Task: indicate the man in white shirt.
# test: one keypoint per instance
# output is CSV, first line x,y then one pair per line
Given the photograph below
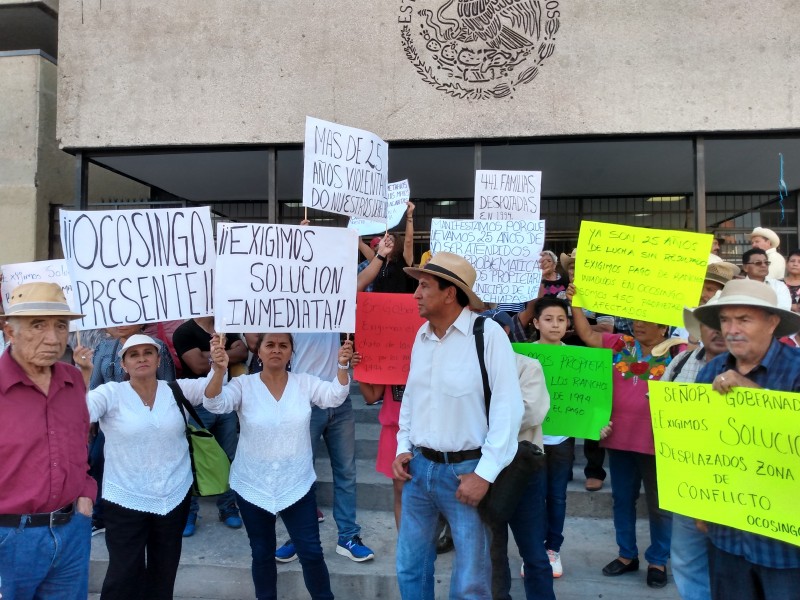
x,y
756,264
767,240
447,453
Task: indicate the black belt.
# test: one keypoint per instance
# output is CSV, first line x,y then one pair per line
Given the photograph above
x,y
450,457
62,516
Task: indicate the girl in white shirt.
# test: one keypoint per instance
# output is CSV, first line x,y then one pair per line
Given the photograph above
x,y
273,469
147,472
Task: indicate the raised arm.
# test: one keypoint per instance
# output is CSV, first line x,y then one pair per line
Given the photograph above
x,y
364,248
408,243
369,274
84,360
593,339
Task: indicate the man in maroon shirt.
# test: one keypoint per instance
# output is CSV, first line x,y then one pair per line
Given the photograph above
x,y
46,494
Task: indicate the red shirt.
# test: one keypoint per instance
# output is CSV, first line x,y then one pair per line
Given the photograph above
x,y
43,440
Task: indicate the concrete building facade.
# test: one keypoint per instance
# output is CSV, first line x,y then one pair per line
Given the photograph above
x,y
621,105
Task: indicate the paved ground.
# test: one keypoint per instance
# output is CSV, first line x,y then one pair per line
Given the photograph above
x,y
216,564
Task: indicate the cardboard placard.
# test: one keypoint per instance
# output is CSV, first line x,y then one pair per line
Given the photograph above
x,y
732,459
399,194
139,266
505,255
640,273
507,195
50,271
345,170
579,381
285,278
386,325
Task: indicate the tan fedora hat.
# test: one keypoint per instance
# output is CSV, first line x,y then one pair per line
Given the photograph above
x,y
748,292
690,321
453,268
768,234
568,260
39,300
721,272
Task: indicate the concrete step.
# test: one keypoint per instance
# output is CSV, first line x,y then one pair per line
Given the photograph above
x,y
215,564
374,491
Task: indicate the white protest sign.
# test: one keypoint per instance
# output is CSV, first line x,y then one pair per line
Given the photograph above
x,y
507,195
505,255
139,266
345,170
41,271
399,194
285,278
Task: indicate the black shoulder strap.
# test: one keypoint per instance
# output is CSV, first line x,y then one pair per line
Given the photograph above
x,y
681,363
182,401
477,331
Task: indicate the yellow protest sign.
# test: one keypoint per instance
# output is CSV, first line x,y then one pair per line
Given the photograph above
x,y
640,273
732,459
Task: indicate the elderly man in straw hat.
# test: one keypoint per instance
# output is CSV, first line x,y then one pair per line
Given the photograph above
x,y
767,240
46,494
745,565
444,431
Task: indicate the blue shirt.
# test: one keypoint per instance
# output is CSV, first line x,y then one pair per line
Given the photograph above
x,y
779,370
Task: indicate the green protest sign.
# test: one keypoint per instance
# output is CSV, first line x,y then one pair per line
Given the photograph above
x,y
579,382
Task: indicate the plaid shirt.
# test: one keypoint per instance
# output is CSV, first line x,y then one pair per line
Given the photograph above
x,y
779,370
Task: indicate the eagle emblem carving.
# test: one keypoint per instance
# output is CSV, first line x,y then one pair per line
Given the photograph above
x,y
478,49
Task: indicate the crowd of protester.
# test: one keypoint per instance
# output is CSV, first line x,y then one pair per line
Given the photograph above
x,y
271,399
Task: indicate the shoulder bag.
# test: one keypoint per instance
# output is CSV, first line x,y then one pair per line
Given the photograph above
x,y
500,502
210,464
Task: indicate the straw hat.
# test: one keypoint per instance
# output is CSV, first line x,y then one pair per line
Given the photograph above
x,y
721,272
773,238
568,260
747,292
138,340
453,268
40,300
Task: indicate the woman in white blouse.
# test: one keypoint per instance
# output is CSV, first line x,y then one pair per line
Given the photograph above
x,y
147,472
273,470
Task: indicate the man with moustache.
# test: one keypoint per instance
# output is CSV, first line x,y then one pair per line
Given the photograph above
x,y
746,565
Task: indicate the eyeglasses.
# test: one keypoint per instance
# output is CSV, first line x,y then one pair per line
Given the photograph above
x,y
760,263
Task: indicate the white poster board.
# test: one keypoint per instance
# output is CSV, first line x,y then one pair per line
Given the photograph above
x,y
345,170
41,271
139,266
507,195
505,255
399,195
285,278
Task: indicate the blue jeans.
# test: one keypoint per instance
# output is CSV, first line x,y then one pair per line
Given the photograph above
x,y
432,490
337,426
46,562
528,525
559,468
628,471
689,554
225,430
734,577
301,521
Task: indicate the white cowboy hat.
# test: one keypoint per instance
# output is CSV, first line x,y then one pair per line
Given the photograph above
x,y
40,300
453,268
747,292
768,234
138,340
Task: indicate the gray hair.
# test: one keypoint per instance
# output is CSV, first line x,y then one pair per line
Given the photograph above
x,y
14,323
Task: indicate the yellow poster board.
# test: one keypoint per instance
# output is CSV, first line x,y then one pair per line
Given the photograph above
x,y
732,459
640,273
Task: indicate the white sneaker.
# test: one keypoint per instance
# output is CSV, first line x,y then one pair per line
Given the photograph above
x,y
555,563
